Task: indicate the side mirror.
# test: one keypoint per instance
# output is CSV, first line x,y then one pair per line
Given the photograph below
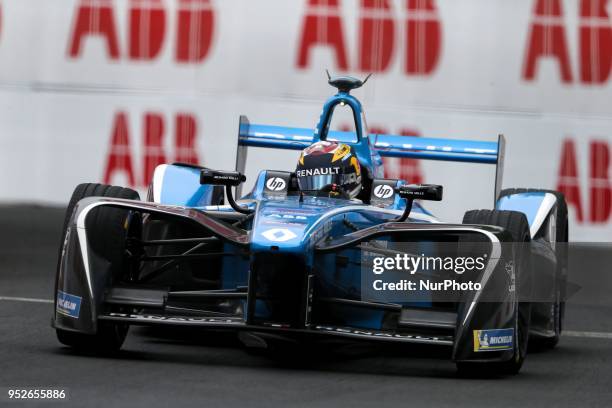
x,y
228,179
222,178
430,192
411,192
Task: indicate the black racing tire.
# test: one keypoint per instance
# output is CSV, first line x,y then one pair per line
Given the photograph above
x,y
516,224
107,222
562,236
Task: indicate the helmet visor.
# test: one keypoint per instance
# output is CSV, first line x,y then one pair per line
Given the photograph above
x,y
316,183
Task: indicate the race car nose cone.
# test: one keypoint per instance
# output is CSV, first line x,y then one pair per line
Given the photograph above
x,y
278,235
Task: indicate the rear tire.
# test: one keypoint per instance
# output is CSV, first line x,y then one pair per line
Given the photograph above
x,y
109,223
561,236
516,224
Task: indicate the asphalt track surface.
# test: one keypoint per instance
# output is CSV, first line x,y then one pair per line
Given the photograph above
x,y
158,368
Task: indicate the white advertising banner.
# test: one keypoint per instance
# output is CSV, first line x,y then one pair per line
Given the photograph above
x,y
104,90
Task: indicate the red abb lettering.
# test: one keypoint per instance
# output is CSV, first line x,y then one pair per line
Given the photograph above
x,y
600,182
195,30
119,156
147,28
376,130
153,145
95,17
423,37
377,35
595,41
547,39
322,26
185,137
119,159
568,182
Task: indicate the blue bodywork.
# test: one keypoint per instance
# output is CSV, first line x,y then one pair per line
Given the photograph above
x,y
181,186
294,225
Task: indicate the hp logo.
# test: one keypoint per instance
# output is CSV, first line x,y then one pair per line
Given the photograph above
x,y
275,184
383,191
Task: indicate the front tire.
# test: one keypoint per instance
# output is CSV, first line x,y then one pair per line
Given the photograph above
x,y
109,223
561,236
516,224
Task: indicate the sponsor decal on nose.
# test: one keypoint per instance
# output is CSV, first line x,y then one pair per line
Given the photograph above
x,y
279,234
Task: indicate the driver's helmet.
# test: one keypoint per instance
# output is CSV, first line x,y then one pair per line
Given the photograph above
x,y
329,168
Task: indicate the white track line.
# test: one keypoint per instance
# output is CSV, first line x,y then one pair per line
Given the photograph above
x,y
566,333
592,335
23,299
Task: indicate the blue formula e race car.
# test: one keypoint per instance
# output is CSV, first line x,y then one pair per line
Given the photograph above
x,y
302,255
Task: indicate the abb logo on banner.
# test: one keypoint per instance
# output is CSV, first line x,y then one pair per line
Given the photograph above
x,y
600,193
547,39
323,27
146,29
119,158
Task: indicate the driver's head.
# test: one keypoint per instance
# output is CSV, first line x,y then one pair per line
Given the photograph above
x,y
329,167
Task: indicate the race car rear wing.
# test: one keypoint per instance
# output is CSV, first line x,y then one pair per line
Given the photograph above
x,y
280,137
